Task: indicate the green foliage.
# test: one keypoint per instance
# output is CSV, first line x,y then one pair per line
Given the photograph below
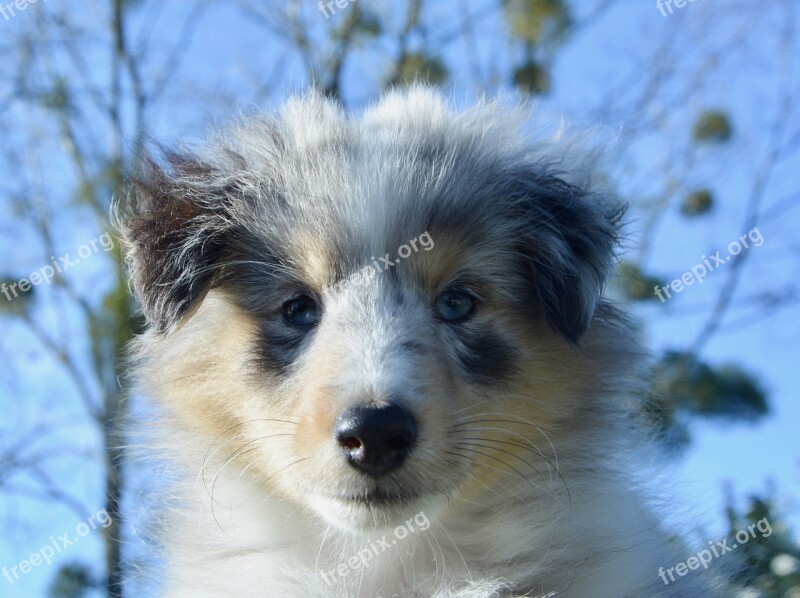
x,y
538,22
57,97
73,580
685,386
532,77
369,24
713,126
697,203
636,285
416,66
768,564
362,23
726,391
16,305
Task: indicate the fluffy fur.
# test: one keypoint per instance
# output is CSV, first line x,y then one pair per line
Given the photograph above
x,y
527,433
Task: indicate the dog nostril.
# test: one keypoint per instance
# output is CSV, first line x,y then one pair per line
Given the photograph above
x,y
350,442
376,439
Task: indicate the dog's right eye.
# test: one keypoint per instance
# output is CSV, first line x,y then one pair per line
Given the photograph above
x,y
302,311
455,305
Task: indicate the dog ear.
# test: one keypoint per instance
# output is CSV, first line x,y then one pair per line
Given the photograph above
x,y
569,239
173,227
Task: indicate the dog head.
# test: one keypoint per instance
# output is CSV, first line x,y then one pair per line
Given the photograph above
x,y
374,314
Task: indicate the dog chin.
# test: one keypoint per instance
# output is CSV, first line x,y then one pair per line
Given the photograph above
x,y
374,511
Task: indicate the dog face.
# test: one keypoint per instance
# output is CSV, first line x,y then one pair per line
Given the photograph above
x,y
372,315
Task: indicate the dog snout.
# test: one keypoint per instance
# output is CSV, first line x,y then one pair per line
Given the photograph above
x,y
376,438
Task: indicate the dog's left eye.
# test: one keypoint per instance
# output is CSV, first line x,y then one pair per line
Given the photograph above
x,y
454,305
302,311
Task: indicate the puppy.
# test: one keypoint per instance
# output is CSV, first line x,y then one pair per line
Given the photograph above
x,y
382,362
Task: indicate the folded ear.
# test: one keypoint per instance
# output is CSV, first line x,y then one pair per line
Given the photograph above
x,y
569,238
173,227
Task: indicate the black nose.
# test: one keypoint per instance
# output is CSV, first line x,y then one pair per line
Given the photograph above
x,y
376,439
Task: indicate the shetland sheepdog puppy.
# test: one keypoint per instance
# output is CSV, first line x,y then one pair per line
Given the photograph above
x,y
382,362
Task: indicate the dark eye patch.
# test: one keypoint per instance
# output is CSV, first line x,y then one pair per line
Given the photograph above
x,y
485,357
278,346
259,282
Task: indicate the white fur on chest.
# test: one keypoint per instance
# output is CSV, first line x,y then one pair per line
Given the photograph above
x,y
601,543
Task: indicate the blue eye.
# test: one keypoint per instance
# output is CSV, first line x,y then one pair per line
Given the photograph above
x,y
454,306
302,311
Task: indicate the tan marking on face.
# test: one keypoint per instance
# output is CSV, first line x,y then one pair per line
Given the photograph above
x,y
319,406
313,261
442,262
201,371
554,380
